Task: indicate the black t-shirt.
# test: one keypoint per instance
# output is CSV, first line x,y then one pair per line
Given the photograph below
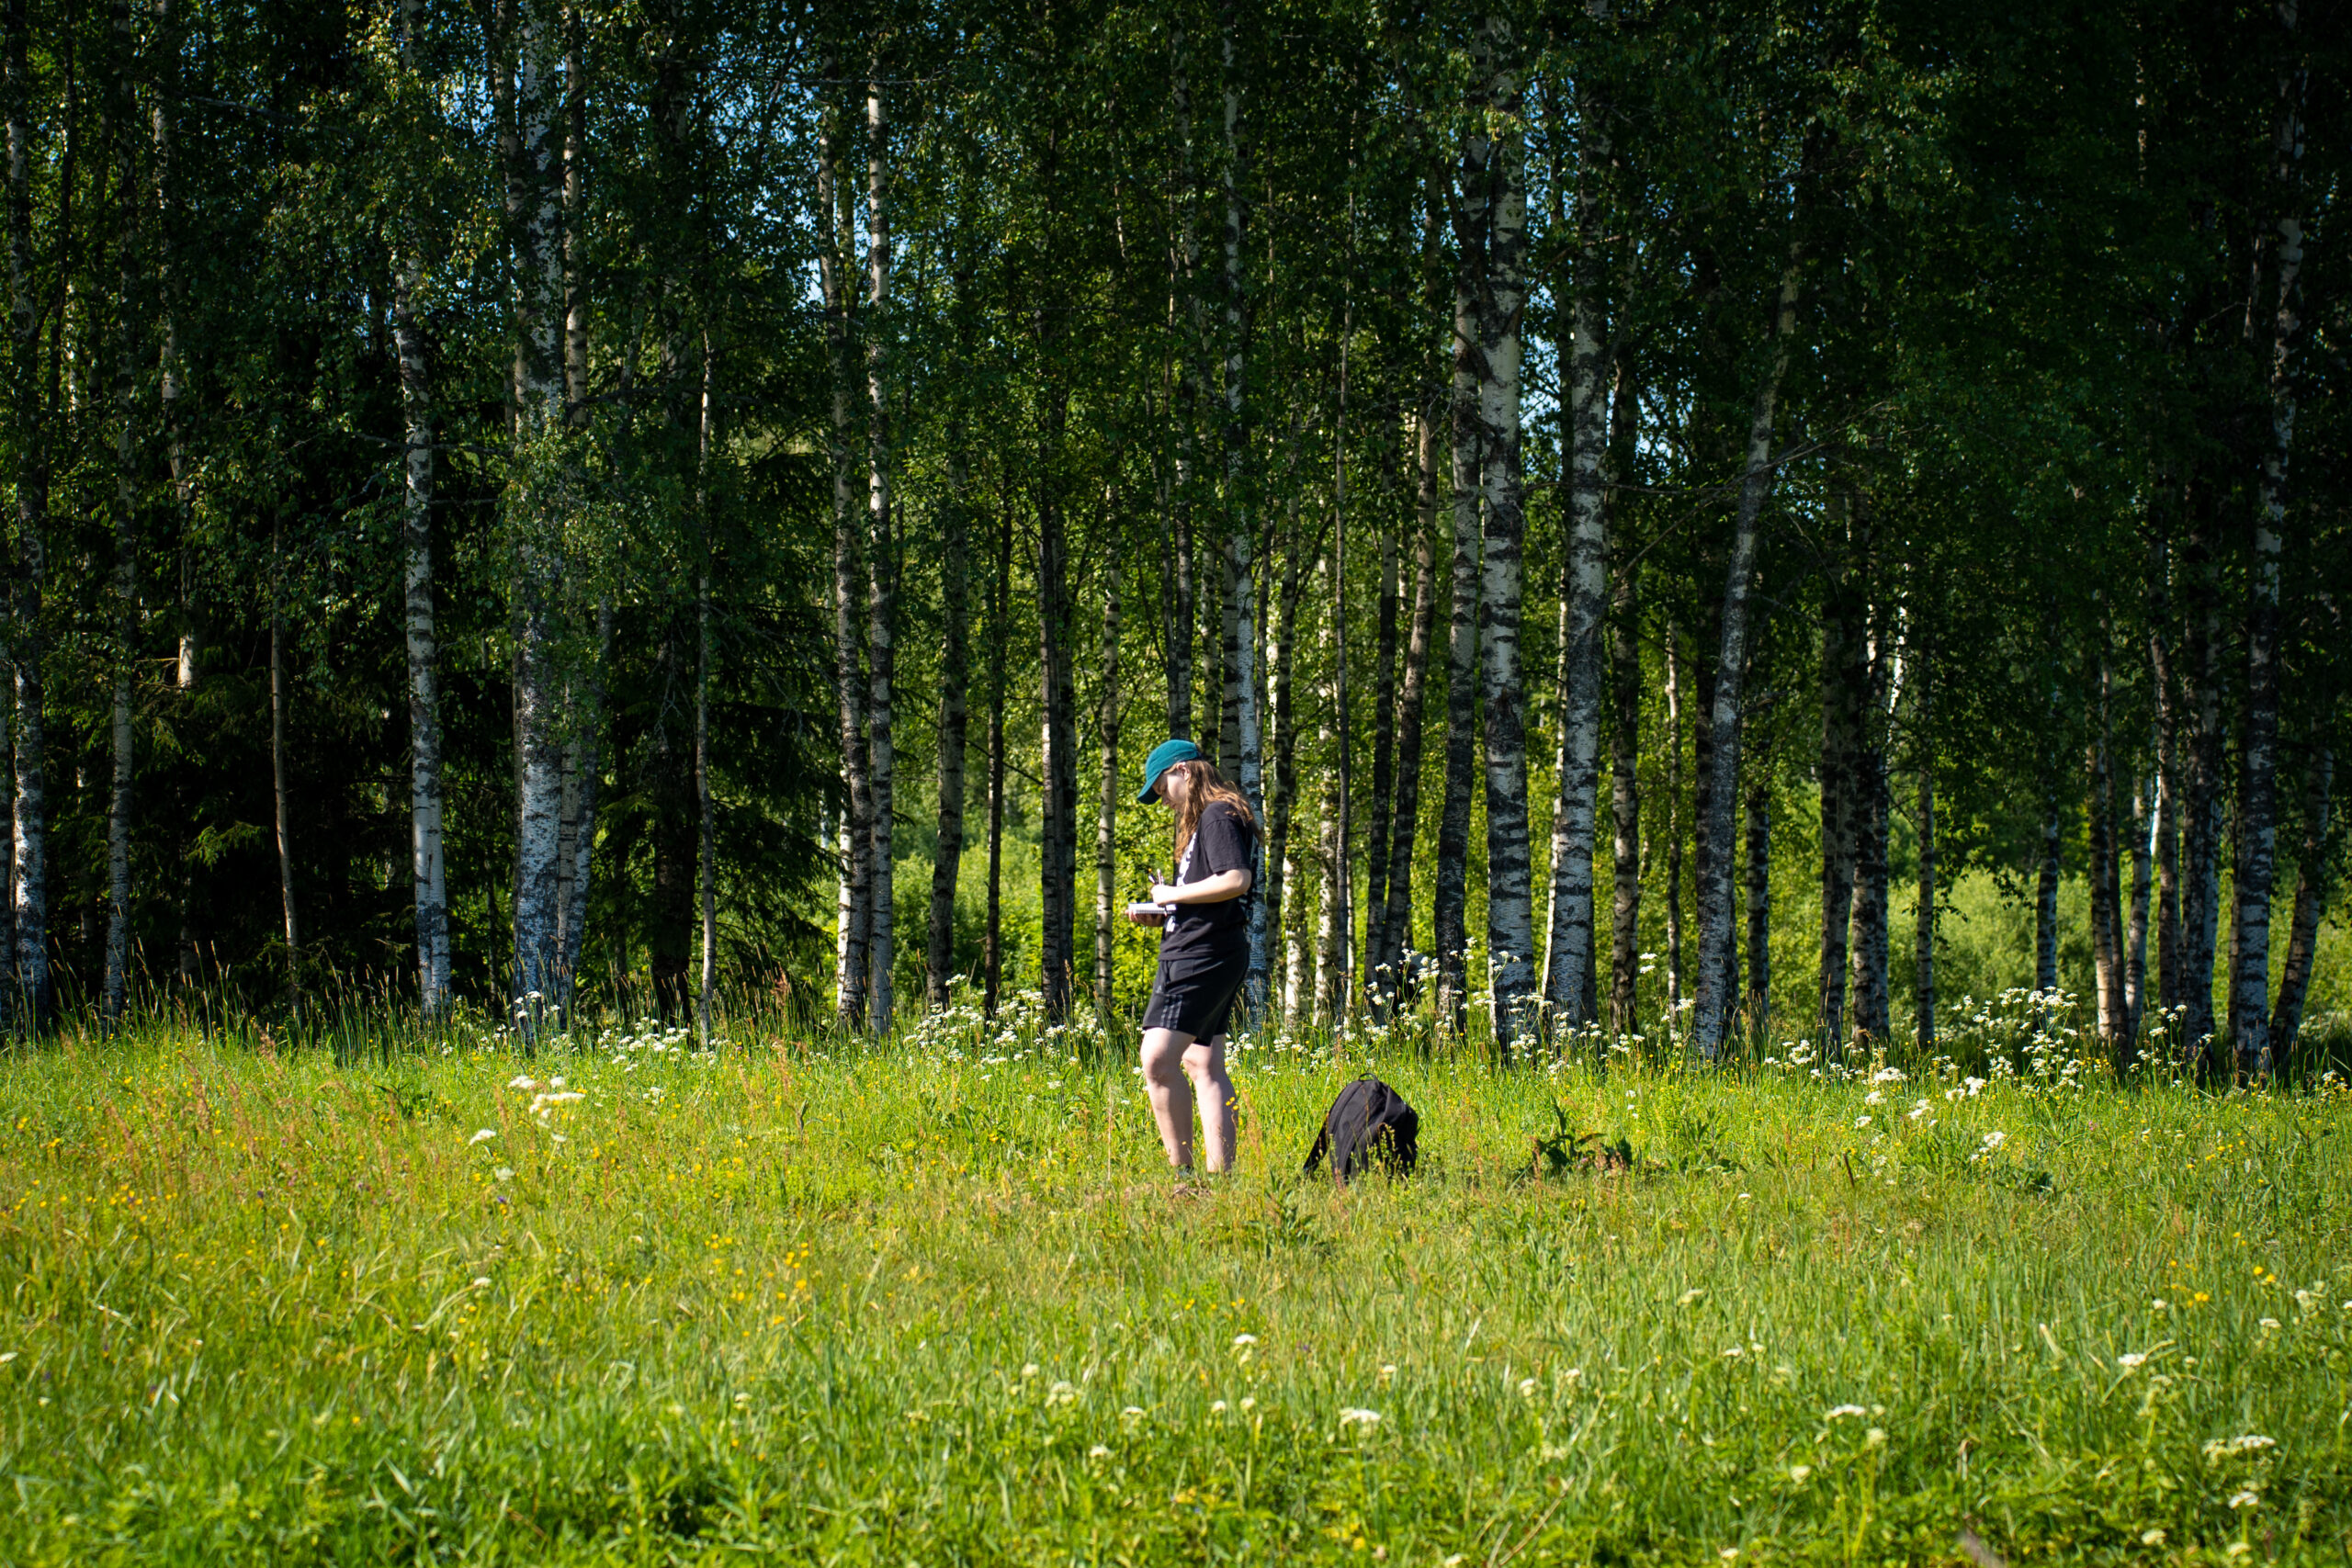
x,y
1198,935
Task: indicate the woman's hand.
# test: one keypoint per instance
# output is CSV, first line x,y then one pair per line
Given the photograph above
x,y
1143,917
1167,893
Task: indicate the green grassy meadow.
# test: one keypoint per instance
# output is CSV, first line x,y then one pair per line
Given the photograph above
x,y
628,1302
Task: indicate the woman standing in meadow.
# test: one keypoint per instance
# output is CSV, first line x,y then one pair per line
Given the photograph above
x,y
1204,950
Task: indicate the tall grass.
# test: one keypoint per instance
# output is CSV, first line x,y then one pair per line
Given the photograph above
x,y
411,1296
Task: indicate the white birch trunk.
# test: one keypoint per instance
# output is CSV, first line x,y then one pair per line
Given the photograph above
x,y
705,810
882,566
2135,959
2257,812
1106,820
1282,797
535,213
427,869
855,845
1510,927
1570,953
1674,988
1625,802
1239,716
1711,1016
1000,605
1329,985
33,1000
120,113
1450,899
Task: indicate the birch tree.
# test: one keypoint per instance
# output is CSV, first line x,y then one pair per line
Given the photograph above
x,y
1711,1016
122,132
2258,828
882,582
856,843
1570,957
531,129
428,873
30,413
1238,707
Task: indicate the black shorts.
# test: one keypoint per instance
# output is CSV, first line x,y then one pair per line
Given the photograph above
x,y
1198,1002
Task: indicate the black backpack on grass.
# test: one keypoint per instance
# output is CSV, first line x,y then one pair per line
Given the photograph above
x,y
1369,1122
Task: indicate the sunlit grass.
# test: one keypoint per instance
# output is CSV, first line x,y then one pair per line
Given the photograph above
x,y
941,1302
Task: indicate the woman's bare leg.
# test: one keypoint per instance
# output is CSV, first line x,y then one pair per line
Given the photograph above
x,y
1167,1057
1204,1062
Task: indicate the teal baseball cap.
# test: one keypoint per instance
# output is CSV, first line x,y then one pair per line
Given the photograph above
x,y
1164,756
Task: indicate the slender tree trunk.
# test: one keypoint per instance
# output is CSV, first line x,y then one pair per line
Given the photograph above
x,y
1703,687
834,202
1867,951
955,720
1107,822
2135,957
580,701
1923,940
1183,624
1571,957
1451,902
277,696
531,128
1844,674
2107,887
1674,827
1238,711
2046,903
1714,1010
428,874
2204,803
1510,928
1000,634
2258,812
1625,797
706,808
1383,748
882,597
1412,705
1282,797
171,361
2165,830
1328,990
1058,856
1335,983
33,1003
122,129
2313,885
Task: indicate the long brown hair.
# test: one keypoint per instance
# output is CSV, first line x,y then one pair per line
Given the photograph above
x,y
1204,785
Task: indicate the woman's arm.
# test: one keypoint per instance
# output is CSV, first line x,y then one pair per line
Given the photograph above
x,y
1217,889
